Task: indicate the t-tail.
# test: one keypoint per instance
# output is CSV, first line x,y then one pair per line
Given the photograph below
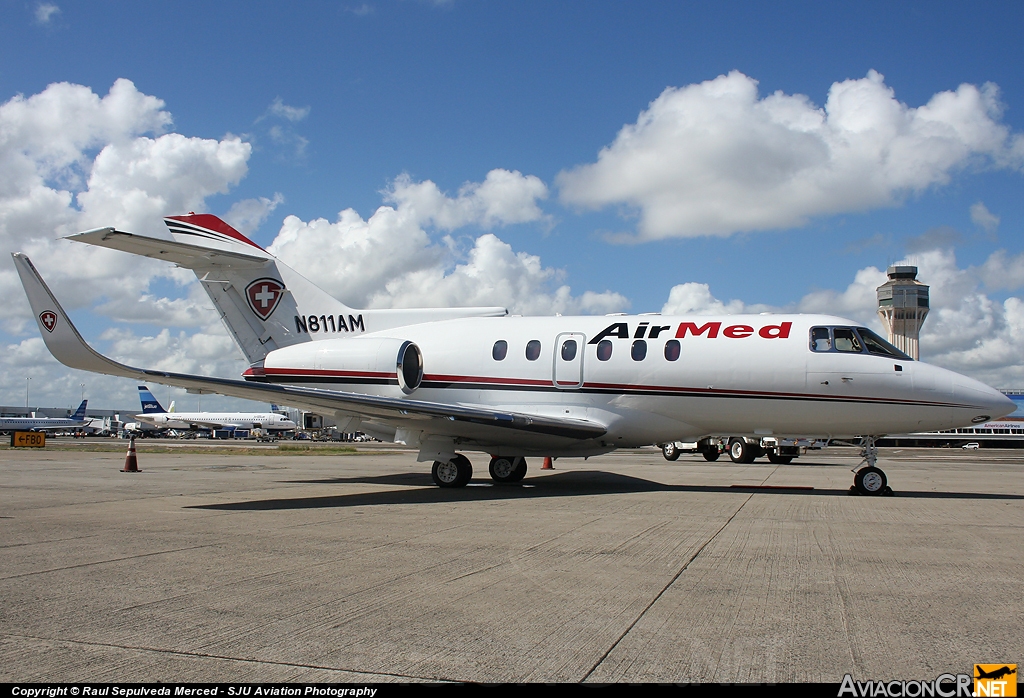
x,y
264,303
79,415
149,401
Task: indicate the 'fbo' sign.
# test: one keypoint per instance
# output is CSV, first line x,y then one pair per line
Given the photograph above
x,y
28,439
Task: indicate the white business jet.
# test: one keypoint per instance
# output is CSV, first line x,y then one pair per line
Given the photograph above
x,y
449,380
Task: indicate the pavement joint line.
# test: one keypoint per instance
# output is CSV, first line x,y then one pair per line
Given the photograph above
x,y
204,655
104,562
661,593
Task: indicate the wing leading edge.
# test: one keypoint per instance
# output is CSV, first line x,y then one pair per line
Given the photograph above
x,y
475,424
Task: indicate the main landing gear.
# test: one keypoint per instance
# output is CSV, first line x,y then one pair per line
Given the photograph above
x,y
869,480
458,471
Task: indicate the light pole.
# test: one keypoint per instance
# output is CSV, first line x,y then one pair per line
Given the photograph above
x,y
83,390
27,379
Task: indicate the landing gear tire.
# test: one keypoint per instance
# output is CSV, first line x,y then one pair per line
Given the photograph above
x,y
870,481
741,452
779,460
712,455
670,451
454,473
505,470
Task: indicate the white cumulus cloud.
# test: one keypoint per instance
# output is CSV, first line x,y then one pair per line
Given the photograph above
x,y
45,12
390,260
984,218
715,158
72,159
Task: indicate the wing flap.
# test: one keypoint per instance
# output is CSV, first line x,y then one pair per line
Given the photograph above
x,y
477,423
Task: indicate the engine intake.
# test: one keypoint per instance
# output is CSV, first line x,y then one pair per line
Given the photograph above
x,y
357,358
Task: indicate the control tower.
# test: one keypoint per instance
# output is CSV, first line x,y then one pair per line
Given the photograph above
x,y
903,306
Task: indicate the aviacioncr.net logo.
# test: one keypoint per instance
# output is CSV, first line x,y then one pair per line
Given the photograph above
x,y
944,686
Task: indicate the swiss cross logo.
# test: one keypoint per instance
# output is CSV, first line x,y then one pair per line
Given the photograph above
x,y
49,319
263,296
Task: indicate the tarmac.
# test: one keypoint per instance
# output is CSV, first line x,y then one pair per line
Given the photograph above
x,y
625,568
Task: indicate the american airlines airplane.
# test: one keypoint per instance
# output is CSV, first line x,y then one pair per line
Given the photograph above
x,y
77,419
449,380
155,415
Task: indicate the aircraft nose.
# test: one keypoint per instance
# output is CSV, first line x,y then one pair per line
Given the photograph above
x,y
990,403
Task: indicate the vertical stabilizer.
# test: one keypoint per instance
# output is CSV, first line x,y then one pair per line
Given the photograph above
x,y
79,415
149,402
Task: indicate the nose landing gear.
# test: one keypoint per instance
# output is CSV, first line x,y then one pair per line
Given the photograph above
x,y
869,480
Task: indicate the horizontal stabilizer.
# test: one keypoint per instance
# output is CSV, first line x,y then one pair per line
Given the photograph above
x,y
181,253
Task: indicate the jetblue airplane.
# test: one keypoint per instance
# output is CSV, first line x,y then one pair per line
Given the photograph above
x,y
155,415
449,380
45,423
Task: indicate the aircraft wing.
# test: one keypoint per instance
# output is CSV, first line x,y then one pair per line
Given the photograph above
x,y
180,253
476,423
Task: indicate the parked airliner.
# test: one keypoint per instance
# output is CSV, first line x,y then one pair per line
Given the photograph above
x,y
155,415
77,419
448,380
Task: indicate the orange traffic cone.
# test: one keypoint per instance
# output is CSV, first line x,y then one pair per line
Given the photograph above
x,y
131,462
547,464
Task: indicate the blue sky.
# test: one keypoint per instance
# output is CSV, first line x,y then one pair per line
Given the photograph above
x,y
367,92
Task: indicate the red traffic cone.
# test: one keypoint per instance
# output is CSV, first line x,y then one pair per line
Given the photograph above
x,y
547,464
131,462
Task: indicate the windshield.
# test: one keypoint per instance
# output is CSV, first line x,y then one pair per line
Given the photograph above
x,y
853,340
878,346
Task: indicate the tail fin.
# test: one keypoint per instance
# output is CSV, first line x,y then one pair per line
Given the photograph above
x,y
274,408
79,415
264,303
171,408
149,402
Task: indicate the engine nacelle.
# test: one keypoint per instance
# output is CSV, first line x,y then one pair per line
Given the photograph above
x,y
352,357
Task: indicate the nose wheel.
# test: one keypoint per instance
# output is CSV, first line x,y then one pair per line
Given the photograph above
x,y
870,480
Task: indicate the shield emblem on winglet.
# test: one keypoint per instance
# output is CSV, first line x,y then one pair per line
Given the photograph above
x,y
48,318
263,296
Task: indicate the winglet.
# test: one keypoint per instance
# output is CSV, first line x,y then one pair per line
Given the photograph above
x,y
59,335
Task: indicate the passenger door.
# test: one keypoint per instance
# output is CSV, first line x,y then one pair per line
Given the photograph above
x,y
567,372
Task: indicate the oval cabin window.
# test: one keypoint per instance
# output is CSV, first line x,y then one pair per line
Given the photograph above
x,y
533,350
639,350
672,350
569,350
604,350
500,350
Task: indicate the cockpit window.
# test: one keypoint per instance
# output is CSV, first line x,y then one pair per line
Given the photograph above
x,y
820,339
846,340
851,340
878,346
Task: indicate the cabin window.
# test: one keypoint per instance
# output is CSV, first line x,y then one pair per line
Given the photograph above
x,y
533,350
569,350
672,350
846,340
820,340
500,350
639,350
604,350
